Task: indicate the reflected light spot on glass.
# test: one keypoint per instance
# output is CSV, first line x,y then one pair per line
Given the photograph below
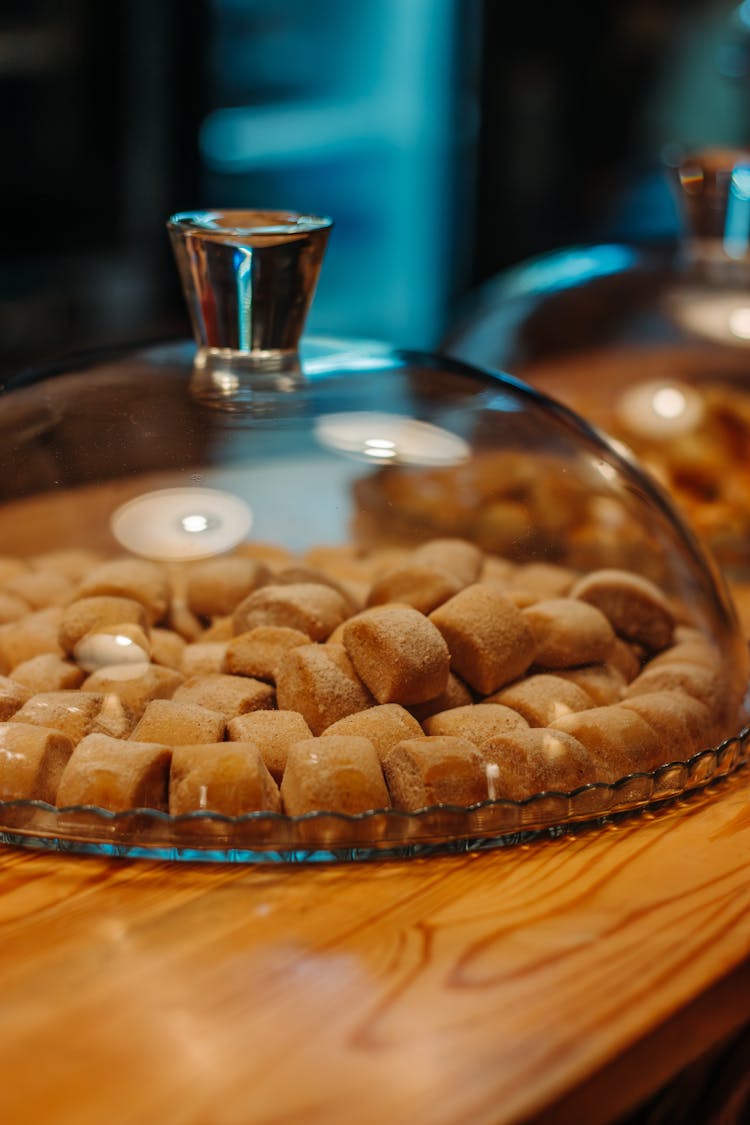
x,y
669,402
182,523
739,323
368,435
657,411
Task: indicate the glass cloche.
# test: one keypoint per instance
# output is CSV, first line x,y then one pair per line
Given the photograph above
x,y
268,601
650,343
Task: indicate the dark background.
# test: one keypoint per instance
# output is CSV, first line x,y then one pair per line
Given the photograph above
x,y
500,130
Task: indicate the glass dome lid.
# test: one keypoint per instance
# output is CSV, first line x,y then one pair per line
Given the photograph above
x,y
651,343
268,601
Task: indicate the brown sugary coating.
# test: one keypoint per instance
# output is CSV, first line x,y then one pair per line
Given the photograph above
x,y
320,682
536,760
691,651
456,694
12,608
424,588
300,574
41,588
478,722
48,672
708,685
203,657
627,658
144,581
683,724
217,586
435,770
87,614
72,563
568,633
226,777
32,760
167,647
272,554
32,635
311,608
542,698
490,641
384,725
220,629
602,682
115,775
124,643
336,774
179,724
135,685
545,580
259,651
635,607
619,740
459,557
75,713
273,732
398,653
182,620
231,695
12,697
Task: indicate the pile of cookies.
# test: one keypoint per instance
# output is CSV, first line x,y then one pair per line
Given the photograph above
x,y
341,681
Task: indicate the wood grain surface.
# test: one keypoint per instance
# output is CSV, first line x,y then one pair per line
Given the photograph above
x,y
474,988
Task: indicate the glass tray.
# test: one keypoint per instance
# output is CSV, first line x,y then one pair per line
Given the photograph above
x,y
260,837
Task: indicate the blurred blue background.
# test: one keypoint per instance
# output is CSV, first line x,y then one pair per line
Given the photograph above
x,y
448,139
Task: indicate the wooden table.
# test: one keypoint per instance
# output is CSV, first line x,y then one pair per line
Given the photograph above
x,y
562,980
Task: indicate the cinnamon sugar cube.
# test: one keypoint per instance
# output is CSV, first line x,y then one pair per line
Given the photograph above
x,y
383,725
134,684
48,672
12,608
309,607
619,740
706,684
273,732
477,722
32,760
10,567
178,724
259,651
458,557
398,653
226,777
337,774
73,563
300,575
627,658
435,770
603,683
123,643
41,588
456,694
203,657
490,641
32,635
272,554
75,713
220,629
217,586
12,697
693,650
142,581
545,580
182,620
542,698
167,647
231,695
111,774
635,607
89,614
424,588
535,760
568,633
321,683
682,723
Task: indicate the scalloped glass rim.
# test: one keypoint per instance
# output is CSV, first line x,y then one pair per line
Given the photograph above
x,y
264,837
266,221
